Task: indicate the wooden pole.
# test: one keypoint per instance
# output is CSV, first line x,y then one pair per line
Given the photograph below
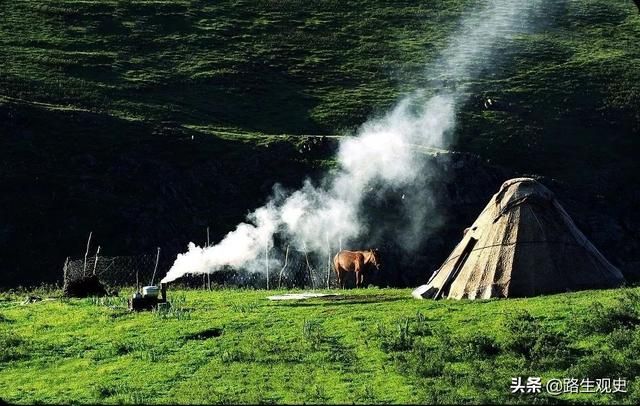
x,y
328,261
86,253
155,268
306,257
286,260
208,274
266,259
65,270
95,264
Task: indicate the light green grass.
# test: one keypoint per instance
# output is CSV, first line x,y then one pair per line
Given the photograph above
x,y
376,346
274,67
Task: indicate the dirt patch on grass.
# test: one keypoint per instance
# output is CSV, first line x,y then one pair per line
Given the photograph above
x,y
360,298
342,299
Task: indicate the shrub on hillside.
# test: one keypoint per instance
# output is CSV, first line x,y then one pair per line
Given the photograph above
x,y
425,361
397,338
84,286
527,337
13,347
402,334
624,314
480,345
522,333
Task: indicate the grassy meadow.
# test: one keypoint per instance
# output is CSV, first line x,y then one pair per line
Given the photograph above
x,y
371,346
147,121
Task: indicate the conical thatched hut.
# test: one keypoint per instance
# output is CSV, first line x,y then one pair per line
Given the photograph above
x,y
522,244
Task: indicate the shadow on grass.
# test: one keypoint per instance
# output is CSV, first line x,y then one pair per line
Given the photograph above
x,y
342,300
205,334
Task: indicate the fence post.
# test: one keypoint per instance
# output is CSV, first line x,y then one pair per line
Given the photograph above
x,y
86,253
95,264
266,260
328,261
286,260
208,274
306,257
64,270
155,268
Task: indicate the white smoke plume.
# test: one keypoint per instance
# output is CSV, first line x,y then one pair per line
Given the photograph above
x,y
383,152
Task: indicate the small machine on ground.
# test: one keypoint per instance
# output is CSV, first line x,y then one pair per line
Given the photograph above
x,y
149,298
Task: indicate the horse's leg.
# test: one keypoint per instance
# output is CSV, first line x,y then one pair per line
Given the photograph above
x,y
358,270
336,267
361,278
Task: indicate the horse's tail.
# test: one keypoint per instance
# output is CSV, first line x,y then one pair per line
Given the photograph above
x,y
336,260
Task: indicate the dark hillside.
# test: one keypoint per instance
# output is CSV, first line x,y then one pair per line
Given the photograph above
x,y
99,101
136,185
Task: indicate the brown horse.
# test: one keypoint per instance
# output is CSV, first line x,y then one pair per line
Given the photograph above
x,y
355,261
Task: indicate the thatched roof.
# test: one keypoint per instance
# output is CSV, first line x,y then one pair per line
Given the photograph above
x,y
522,244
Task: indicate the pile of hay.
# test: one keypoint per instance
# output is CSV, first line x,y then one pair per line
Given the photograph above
x,y
84,286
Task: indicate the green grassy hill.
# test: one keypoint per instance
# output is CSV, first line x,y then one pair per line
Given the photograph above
x,y
371,346
85,85
277,68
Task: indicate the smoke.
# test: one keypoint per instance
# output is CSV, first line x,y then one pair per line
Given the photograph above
x,y
380,157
